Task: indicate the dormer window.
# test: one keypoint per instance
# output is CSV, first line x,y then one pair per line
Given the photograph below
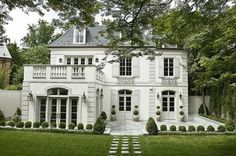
x,y
79,36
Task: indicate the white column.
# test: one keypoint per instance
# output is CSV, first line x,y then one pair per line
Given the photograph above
x,y
67,112
47,110
58,114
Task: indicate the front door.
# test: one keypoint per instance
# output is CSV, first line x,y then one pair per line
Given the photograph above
x,y
124,108
168,105
58,110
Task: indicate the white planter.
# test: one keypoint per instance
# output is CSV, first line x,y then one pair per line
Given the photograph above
x,y
158,118
113,117
136,117
181,118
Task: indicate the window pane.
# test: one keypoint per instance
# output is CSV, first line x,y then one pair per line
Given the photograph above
x,y
164,109
68,61
82,61
75,60
90,60
172,109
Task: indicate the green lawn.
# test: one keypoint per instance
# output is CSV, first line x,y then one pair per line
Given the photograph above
x,y
21,143
188,145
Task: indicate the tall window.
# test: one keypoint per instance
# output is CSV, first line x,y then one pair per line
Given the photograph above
x,y
125,100
168,101
80,36
42,110
90,60
168,66
74,111
125,67
53,110
76,61
63,110
68,60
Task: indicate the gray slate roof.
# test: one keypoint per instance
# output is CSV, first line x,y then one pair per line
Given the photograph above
x,y
4,53
94,37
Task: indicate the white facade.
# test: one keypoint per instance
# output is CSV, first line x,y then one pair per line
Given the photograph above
x,y
74,69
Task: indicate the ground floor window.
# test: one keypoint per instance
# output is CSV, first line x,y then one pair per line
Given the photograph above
x,y
74,111
53,110
42,109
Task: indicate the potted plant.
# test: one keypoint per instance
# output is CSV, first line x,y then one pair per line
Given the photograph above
x,y
158,113
113,115
158,107
135,115
181,107
181,116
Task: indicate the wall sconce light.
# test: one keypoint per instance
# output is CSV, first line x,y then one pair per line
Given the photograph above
x,y
30,96
180,95
84,97
158,96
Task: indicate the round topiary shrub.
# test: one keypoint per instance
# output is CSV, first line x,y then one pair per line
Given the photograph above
x,y
230,128
99,126
11,123
172,128
89,126
191,128
113,112
231,124
16,118
200,128
181,107
158,107
80,126
210,128
20,124
158,113
28,124
182,128
163,128
136,106
53,125
181,113
36,124
45,124
221,128
135,112
62,125
71,126
151,127
103,115
2,123
113,106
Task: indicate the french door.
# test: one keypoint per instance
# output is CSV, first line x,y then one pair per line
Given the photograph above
x,y
168,105
58,110
124,108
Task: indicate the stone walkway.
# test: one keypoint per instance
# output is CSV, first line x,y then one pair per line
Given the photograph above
x,y
125,146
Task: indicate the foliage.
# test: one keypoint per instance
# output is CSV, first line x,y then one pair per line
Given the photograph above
x,y
158,113
89,126
53,125
99,126
219,119
113,112
135,112
136,106
11,123
158,107
103,115
80,126
45,124
18,112
151,127
2,123
210,128
36,124
2,117
191,128
16,118
221,128
28,124
2,77
163,128
172,128
71,126
62,125
20,124
113,106
230,128
182,128
181,113
200,128
230,123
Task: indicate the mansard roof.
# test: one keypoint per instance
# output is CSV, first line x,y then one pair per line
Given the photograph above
x,y
4,53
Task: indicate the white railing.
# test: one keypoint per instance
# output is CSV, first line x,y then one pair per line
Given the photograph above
x,y
39,72
99,75
77,72
58,72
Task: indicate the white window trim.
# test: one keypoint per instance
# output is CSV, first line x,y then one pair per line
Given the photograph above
x,y
128,76
75,35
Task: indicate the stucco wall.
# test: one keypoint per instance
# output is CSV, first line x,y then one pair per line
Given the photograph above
x,y
9,101
194,103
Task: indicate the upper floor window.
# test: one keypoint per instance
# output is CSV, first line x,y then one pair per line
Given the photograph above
x,y
125,67
79,36
90,60
68,60
168,67
76,61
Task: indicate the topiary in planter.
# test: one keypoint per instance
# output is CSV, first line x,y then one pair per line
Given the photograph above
x,y
182,128
71,126
62,125
103,115
89,126
28,124
172,128
99,126
163,128
230,128
158,113
136,106
158,107
151,127
200,128
45,124
53,125
11,123
181,113
2,123
191,128
210,128
181,107
135,112
80,126
221,128
113,112
113,106
20,124
36,124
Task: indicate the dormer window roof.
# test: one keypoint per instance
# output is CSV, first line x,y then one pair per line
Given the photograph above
x,y
79,35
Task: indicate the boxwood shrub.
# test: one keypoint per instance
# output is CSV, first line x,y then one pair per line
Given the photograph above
x,y
103,115
80,126
89,126
99,126
210,128
45,124
28,124
11,123
200,128
230,128
36,124
163,128
2,123
151,127
53,125
221,128
191,128
20,124
62,125
71,126
172,128
230,124
182,128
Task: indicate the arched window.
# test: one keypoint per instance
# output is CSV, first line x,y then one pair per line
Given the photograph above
x,y
57,91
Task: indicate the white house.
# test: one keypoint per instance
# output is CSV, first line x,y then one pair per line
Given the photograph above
x,y
73,89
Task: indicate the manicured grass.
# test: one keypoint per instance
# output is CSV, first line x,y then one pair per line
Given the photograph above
x,y
188,145
52,144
